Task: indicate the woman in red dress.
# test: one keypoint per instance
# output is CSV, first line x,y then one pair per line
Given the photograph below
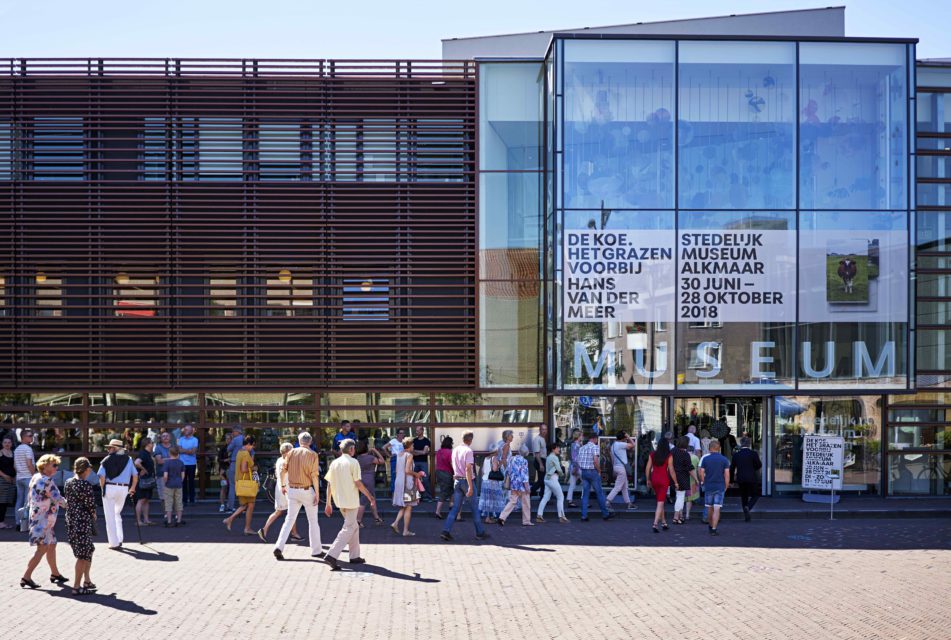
x,y
660,473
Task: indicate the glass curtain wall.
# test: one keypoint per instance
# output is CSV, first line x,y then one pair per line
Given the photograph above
x,y
729,215
510,224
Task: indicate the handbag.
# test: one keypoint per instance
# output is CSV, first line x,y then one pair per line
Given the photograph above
x,y
246,488
147,482
496,473
24,515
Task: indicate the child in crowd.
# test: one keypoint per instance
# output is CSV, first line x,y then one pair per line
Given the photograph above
x,y
174,479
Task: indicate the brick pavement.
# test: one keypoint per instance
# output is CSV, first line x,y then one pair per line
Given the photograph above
x,y
770,579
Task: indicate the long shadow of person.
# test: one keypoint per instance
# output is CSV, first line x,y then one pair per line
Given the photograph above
x,y
385,573
106,600
156,555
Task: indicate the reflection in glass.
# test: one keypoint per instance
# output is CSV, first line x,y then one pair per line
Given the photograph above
x,y
509,211
262,416
354,398
509,333
510,116
919,474
857,419
853,134
736,130
618,124
408,414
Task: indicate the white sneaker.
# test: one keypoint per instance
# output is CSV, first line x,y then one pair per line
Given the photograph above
x,y
221,508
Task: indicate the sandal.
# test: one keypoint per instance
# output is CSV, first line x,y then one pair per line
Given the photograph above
x,y
378,520
654,527
28,583
408,534
58,579
227,524
663,525
395,529
81,591
438,516
90,586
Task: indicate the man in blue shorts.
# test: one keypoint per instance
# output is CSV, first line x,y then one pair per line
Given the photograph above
x,y
714,474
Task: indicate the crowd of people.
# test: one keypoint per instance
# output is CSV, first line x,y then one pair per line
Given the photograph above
x,y
683,469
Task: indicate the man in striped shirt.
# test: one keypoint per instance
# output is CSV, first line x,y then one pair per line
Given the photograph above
x,y
590,465
25,464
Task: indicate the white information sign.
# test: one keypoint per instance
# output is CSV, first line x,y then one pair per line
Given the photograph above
x,y
736,276
822,462
618,276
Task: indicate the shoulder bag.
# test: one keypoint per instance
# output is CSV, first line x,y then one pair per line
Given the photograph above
x,y
246,487
626,465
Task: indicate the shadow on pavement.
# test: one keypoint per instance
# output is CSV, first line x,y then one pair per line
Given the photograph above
x,y
385,573
155,555
105,600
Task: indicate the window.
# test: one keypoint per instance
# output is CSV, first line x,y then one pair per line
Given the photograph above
x,y
712,351
379,150
279,151
440,151
224,297
154,151
366,299
49,296
706,324
289,295
220,149
344,164
6,150
3,295
135,296
58,149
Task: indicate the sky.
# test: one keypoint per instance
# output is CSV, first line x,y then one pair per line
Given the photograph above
x,y
377,29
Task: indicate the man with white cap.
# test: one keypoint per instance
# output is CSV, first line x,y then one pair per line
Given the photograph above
x,y
117,479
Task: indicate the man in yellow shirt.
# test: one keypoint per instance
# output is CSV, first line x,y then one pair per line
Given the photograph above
x,y
344,488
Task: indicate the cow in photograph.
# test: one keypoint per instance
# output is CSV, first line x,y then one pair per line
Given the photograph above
x,y
847,271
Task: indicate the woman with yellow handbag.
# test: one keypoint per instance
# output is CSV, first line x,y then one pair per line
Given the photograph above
x,y
245,488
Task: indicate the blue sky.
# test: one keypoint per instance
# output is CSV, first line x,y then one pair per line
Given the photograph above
x,y
378,29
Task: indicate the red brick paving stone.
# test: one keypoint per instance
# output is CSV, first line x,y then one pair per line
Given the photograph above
x,y
769,580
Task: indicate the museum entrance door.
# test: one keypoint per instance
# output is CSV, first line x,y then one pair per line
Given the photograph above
x,y
726,419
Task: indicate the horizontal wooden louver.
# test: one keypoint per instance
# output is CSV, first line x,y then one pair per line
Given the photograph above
x,y
184,223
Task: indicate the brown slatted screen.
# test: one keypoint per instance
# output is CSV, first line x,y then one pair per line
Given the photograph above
x,y
174,224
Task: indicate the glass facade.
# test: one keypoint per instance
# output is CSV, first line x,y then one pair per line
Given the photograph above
x,y
729,215
510,225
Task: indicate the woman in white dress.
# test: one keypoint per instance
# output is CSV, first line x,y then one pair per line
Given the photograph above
x,y
405,493
280,500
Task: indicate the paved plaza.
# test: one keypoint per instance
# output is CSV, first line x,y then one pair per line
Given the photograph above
x,y
776,578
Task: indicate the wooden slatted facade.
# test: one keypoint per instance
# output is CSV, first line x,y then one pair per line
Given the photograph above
x,y
185,224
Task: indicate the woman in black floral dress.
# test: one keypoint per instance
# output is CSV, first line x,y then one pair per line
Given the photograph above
x,y
80,516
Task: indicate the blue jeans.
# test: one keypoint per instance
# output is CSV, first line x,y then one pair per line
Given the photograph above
x,y
23,497
393,473
458,497
591,479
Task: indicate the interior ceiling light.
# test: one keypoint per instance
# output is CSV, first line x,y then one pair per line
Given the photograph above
x,y
40,277
122,278
284,275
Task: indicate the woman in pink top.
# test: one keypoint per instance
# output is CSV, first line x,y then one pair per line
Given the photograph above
x,y
444,481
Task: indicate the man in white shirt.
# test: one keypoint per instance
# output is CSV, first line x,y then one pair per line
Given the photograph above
x,y
344,487
24,462
692,437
